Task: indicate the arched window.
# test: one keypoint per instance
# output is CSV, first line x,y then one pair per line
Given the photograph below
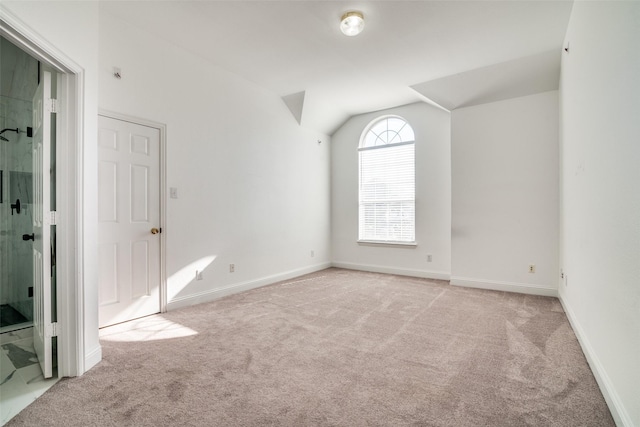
x,y
387,181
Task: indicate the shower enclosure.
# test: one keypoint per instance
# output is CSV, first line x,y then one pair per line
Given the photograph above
x,y
18,82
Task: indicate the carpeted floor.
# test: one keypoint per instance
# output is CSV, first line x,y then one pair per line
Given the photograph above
x,y
340,348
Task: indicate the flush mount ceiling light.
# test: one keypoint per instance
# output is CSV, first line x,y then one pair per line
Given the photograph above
x,y
352,23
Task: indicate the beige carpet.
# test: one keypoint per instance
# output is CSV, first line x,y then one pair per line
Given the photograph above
x,y
339,348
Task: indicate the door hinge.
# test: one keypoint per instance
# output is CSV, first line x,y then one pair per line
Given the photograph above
x,y
52,105
53,329
53,218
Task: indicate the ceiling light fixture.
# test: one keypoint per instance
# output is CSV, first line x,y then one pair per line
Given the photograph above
x,y
352,23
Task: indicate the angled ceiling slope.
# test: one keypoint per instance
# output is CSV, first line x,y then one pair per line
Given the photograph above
x,y
295,104
510,79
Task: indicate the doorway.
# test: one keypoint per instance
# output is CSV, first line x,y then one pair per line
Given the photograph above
x,y
130,206
28,306
27,216
67,336
18,84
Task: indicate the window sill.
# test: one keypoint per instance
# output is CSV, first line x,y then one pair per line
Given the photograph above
x,y
385,243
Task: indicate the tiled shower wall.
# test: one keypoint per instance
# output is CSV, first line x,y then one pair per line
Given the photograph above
x,y
18,82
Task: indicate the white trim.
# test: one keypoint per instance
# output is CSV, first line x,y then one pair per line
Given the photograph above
x,y
77,181
70,354
214,294
162,129
34,44
393,144
387,243
132,119
616,407
426,274
494,285
94,357
70,187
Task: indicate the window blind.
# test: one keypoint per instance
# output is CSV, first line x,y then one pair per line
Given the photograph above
x,y
387,193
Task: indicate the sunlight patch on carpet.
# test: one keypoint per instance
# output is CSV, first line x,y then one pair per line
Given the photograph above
x,y
151,328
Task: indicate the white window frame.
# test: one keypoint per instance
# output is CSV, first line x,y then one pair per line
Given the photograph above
x,y
363,238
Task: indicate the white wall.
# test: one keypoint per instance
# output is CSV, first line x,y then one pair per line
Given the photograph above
x,y
505,194
72,28
433,197
253,185
600,152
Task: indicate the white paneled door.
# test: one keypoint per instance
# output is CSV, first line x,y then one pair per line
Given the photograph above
x,y
42,221
128,220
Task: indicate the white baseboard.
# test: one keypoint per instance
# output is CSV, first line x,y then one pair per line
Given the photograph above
x,y
440,275
521,288
91,359
217,293
618,411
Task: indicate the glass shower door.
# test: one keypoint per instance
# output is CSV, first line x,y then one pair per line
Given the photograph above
x,y
18,81
16,221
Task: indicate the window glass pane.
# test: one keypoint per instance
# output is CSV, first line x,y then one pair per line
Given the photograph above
x,y
390,130
379,127
406,134
370,139
395,123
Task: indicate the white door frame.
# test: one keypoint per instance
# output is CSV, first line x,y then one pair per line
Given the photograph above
x,y
69,191
162,129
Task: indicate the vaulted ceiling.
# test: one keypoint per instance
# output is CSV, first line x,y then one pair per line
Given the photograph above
x,y
453,53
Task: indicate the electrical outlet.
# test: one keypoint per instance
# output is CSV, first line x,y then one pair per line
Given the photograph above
x,y
198,275
313,254
429,258
232,268
532,268
173,192
561,274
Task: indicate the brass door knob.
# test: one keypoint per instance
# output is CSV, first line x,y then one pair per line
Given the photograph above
x,y
155,230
